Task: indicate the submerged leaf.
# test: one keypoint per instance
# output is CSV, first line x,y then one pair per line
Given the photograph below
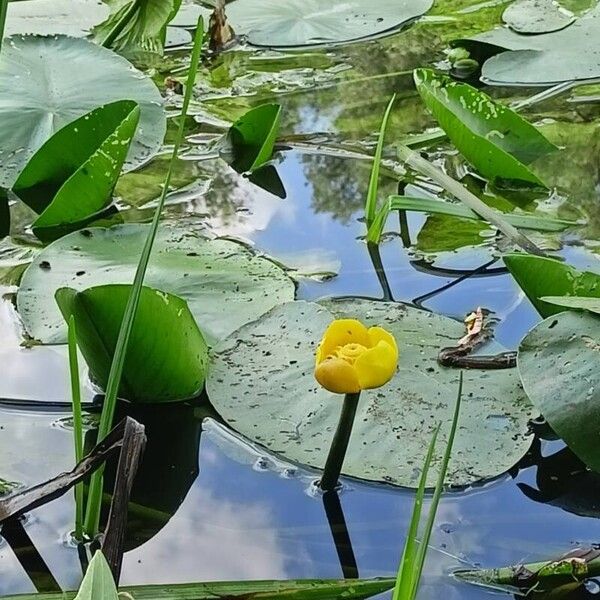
x,y
539,277
261,382
492,137
61,79
73,174
225,283
557,363
166,357
274,23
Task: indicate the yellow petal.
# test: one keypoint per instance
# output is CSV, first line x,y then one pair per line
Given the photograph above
x,y
376,366
339,333
379,334
337,376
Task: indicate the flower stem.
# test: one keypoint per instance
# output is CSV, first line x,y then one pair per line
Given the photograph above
x,y
339,445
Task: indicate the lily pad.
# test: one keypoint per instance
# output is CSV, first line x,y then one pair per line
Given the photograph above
x,y
52,17
537,16
558,364
261,382
274,23
546,59
225,283
60,79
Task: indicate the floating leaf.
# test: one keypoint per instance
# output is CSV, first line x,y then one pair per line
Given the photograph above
x,y
261,382
274,23
145,29
492,137
73,174
539,277
557,362
51,17
166,356
537,16
61,79
252,137
225,283
98,582
544,59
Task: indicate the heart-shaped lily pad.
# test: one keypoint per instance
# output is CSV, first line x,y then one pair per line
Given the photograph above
x,y
558,364
261,382
274,23
225,283
48,82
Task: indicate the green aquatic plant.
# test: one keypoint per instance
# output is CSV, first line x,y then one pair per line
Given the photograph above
x,y
77,423
118,362
351,358
3,11
71,177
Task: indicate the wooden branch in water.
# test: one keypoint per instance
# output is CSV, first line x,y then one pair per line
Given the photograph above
x,y
130,457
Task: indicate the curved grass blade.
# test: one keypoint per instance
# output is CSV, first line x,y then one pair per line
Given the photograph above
x,y
92,518
371,202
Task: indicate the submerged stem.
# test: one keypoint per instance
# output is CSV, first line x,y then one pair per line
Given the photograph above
x,y
339,445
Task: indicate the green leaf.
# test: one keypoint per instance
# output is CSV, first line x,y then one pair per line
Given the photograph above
x,y
4,214
51,17
573,302
299,589
546,59
136,24
273,23
493,138
166,356
98,582
441,233
371,201
225,283
537,16
539,277
272,360
557,363
73,174
253,136
520,220
48,99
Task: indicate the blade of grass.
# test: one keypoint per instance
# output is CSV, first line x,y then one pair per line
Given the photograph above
x,y
3,11
423,166
92,517
371,202
77,422
422,553
404,578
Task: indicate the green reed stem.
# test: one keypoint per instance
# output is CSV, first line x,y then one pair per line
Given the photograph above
x,y
3,11
92,517
339,445
77,422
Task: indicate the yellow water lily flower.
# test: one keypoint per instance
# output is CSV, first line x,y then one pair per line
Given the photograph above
x,y
351,358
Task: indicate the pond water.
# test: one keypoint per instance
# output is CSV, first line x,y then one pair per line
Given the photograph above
x,y
209,505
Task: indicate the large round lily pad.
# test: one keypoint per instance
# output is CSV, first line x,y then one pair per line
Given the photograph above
x,y
47,82
566,55
558,364
261,382
277,23
225,284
